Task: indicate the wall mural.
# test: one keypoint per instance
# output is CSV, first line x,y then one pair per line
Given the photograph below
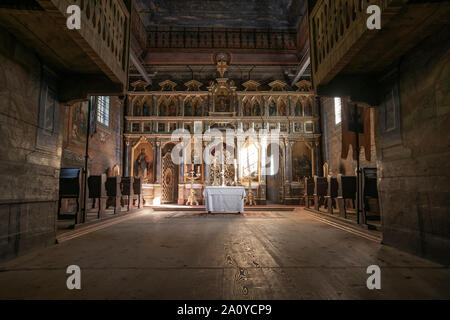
x,y
76,138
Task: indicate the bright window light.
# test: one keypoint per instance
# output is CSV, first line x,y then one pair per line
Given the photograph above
x,y
337,110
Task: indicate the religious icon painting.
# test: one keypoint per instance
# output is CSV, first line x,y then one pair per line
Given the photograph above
x,y
256,109
143,159
188,108
77,132
163,109
172,109
272,108
146,109
298,109
137,109
198,109
248,109
282,111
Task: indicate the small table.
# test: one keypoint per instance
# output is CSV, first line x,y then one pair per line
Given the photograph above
x,y
224,199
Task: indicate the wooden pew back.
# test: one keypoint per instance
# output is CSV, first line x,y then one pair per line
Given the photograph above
x,y
333,187
97,186
309,186
320,186
70,182
347,186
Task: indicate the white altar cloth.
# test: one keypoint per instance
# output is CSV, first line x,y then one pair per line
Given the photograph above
x,y
224,199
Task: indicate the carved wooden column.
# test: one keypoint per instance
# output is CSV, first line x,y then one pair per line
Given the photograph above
x,y
180,112
240,112
290,108
287,183
126,158
311,146
155,106
316,157
130,111
263,155
158,161
207,166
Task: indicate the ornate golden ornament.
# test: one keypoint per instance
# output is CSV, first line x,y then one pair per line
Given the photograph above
x,y
167,85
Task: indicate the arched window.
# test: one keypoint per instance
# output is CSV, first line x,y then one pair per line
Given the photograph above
x,y
103,110
337,110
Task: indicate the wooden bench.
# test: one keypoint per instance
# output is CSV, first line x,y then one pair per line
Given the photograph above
x,y
320,191
137,190
309,191
369,183
114,193
346,191
97,191
127,189
70,188
332,193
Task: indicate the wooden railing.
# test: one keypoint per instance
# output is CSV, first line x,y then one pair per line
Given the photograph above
x,y
221,38
338,30
138,29
104,33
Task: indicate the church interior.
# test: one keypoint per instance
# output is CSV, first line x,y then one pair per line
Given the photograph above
x,y
268,149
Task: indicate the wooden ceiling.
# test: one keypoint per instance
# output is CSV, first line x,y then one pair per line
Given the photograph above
x,y
249,14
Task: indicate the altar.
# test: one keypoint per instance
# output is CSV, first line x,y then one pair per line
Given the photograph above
x,y
224,199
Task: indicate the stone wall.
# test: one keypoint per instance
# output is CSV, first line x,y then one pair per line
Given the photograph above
x,y
28,171
332,143
414,153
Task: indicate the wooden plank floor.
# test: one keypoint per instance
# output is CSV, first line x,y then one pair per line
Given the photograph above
x,y
259,255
